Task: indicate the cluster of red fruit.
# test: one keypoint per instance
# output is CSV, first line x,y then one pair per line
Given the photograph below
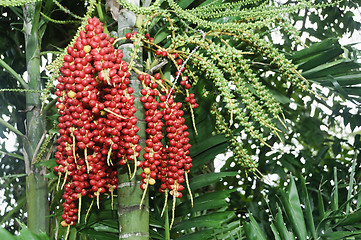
x,y
97,125
97,122
166,159
169,161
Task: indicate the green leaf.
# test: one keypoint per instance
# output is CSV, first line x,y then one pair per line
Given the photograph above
x,y
207,201
104,228
213,220
166,70
336,147
206,144
231,231
332,68
156,222
353,91
212,2
92,234
73,234
155,235
203,158
281,226
341,235
162,33
26,234
344,80
97,215
185,3
322,153
252,230
280,97
350,219
43,236
275,232
321,58
4,234
357,141
199,235
51,175
309,218
47,163
314,49
321,207
204,180
293,209
110,223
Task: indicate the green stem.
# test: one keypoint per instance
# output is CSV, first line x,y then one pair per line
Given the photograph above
x,y
36,183
14,74
350,187
101,16
11,127
166,223
334,195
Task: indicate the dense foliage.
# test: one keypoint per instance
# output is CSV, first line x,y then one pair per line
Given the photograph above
x,y
276,109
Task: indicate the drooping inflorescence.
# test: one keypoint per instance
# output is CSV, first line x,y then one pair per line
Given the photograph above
x,y
97,126
96,106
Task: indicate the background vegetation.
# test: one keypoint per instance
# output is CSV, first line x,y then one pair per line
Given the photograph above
x,y
307,185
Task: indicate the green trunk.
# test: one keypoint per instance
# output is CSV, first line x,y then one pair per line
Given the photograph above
x,y
133,221
36,183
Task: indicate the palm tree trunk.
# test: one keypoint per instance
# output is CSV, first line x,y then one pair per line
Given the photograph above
x,y
133,221
36,183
